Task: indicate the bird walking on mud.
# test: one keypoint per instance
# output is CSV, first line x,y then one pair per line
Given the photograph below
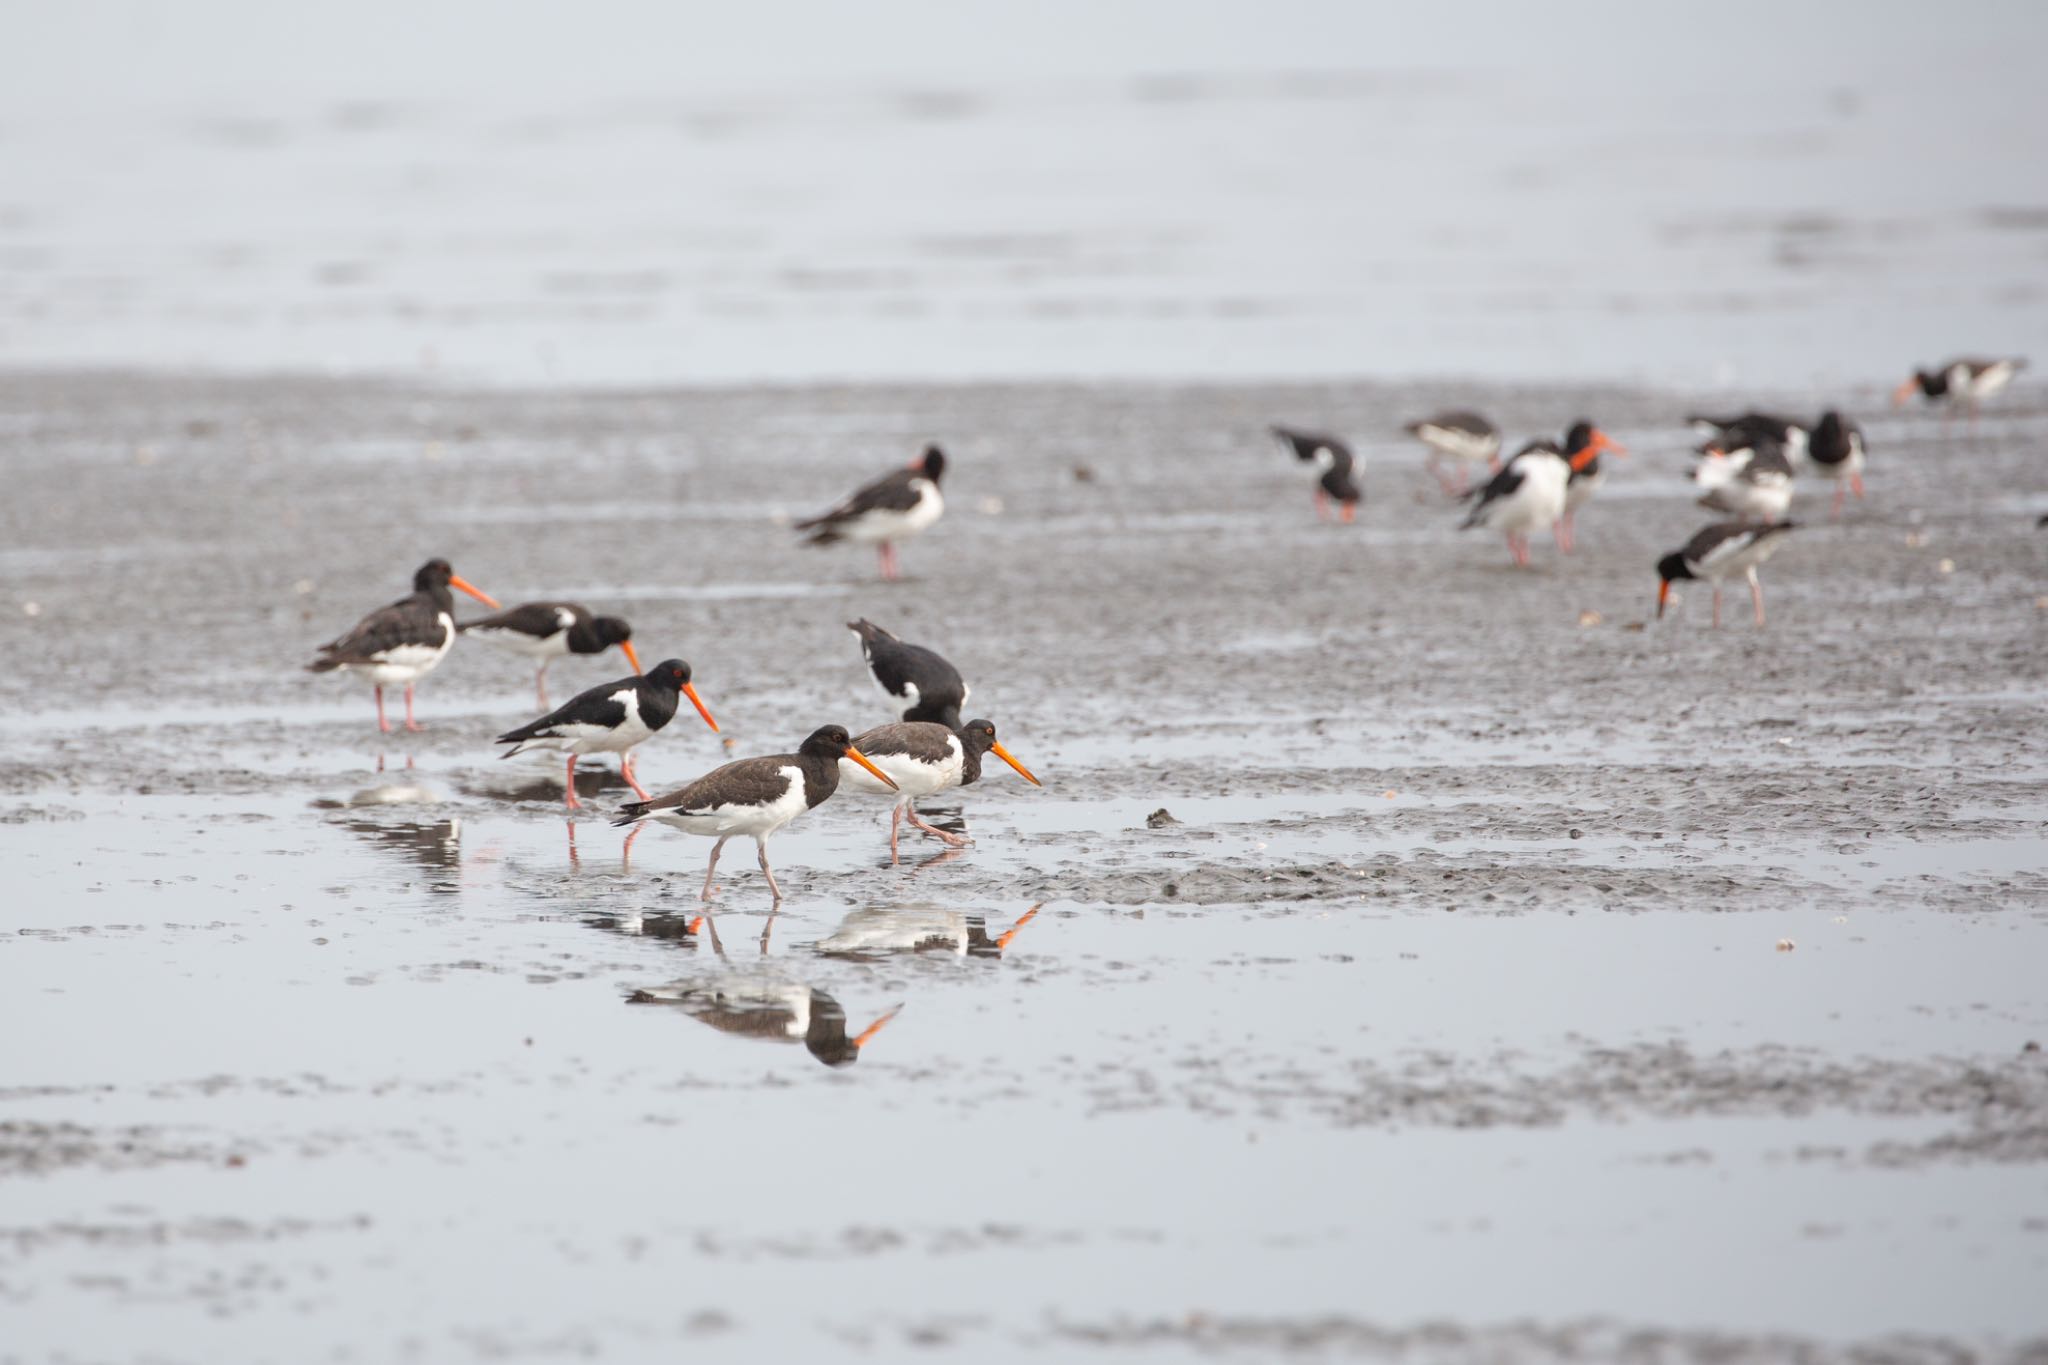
x,y
894,507
1727,549
921,758
1965,383
755,797
403,642
1465,438
1337,477
548,630
611,718
1837,451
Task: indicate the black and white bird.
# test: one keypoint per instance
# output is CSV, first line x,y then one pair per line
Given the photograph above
x,y
754,797
1963,382
1725,550
894,507
1752,481
1734,433
1464,437
870,935
921,683
768,1003
1529,492
1837,451
1587,477
1337,477
401,643
921,758
610,719
548,630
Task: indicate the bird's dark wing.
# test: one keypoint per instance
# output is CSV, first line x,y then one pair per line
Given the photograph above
x,y
924,741
538,619
1340,481
1305,444
750,781
596,706
1471,423
897,665
1499,486
892,493
408,621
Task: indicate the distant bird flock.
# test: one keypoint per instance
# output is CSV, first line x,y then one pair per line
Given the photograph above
x,y
1746,469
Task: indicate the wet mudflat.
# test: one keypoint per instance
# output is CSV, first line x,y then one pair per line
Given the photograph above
x,y
1446,1017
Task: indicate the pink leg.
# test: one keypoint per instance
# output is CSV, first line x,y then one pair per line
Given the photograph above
x,y
1841,492
952,840
410,723
576,862
1348,513
1717,606
1856,482
712,870
569,786
626,849
895,826
889,570
626,771
1322,505
768,871
1756,595
382,724
540,687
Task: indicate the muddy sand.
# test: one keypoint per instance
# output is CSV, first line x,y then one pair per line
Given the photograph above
x,y
1518,977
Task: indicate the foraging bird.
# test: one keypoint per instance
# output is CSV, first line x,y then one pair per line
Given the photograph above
x,y
1837,451
1753,481
548,630
922,684
1338,481
1733,433
403,642
1585,480
755,797
610,719
1722,551
892,508
766,1002
868,935
1529,491
1462,436
921,758
1963,381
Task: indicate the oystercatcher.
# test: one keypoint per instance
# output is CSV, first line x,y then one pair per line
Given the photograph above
x,y
1721,551
1338,480
1586,478
754,797
610,719
1964,381
1733,433
892,508
548,630
1529,491
1753,481
923,685
767,1002
867,935
401,643
1837,451
1462,436
920,758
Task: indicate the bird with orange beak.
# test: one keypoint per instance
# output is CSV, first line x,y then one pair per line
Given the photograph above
x,y
403,642
1587,476
755,796
1531,490
611,718
548,630
1726,549
922,758
1963,382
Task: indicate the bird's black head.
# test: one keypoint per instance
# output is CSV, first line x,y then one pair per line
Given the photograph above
x,y
669,673
827,741
1579,437
610,630
1672,566
434,574
979,735
932,464
868,631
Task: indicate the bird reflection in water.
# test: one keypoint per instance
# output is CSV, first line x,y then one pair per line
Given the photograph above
x,y
869,935
433,844
763,1001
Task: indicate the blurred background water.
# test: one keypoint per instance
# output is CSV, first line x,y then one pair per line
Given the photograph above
x,y
632,193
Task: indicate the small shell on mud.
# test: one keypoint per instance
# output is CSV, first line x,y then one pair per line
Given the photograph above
x,y
1786,945
990,507
1589,617
1388,794
1915,539
1946,566
31,609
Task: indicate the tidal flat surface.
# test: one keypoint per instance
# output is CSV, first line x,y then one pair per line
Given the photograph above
x,y
1447,1018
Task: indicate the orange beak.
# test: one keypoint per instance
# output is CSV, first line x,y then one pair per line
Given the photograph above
x,y
698,702
1663,596
456,581
1003,940
871,1030
632,655
1602,441
886,780
1905,391
1004,754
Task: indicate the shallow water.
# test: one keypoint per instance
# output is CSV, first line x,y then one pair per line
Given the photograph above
x,y
1448,1018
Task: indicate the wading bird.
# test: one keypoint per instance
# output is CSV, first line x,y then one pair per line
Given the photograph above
x,y
401,643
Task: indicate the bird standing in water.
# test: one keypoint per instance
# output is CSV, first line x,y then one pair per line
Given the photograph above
x,y
403,642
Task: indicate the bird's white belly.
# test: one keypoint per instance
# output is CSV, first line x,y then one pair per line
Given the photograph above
x,y
1735,562
1537,503
883,524
898,931
1462,445
1989,380
519,642
912,777
757,822
407,663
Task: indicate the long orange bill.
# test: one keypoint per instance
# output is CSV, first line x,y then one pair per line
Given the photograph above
x,y
1003,940
698,702
1663,596
632,655
1004,754
872,1029
1602,441
456,581
887,781
1904,391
